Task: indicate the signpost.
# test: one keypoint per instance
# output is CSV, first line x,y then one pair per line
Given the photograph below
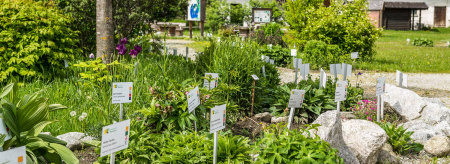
x,y
193,98
344,69
213,83
380,90
253,92
402,79
217,122
297,63
323,79
295,101
196,13
121,93
115,137
187,52
17,155
304,70
294,52
341,93
355,55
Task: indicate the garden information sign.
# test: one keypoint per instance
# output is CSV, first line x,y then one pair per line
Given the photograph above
x,y
261,15
122,92
14,156
218,117
193,99
341,91
194,10
213,83
115,137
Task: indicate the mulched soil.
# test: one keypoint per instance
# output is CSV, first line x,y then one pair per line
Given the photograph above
x,y
86,155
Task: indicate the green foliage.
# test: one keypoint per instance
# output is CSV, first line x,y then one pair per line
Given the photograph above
x,y
27,117
346,25
321,55
277,13
281,56
400,139
34,40
270,34
292,146
424,42
97,73
235,66
216,15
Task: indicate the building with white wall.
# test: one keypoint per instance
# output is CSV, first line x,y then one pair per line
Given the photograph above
x,y
437,14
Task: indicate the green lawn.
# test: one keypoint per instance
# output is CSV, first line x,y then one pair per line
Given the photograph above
x,y
393,53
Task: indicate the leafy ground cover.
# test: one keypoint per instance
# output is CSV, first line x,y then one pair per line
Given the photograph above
x,y
393,52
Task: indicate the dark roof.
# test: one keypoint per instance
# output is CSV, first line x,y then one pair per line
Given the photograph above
x,y
405,5
376,4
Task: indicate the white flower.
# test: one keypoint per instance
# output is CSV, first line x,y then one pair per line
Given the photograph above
x,y
81,118
84,114
73,113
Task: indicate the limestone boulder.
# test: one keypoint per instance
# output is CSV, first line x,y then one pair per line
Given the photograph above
x,y
438,146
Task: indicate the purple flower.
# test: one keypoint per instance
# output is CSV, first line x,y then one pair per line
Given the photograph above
x,y
367,112
133,53
359,73
370,119
123,41
138,48
122,49
91,56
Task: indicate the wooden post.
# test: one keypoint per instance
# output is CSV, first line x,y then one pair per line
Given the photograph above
x,y
202,23
190,29
412,27
253,97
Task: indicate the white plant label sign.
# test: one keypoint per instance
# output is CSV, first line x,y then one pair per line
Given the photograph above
x,y
335,69
296,98
323,78
341,91
355,55
293,52
122,92
4,129
193,98
349,70
213,83
404,78
272,61
304,70
266,59
66,64
299,63
14,156
270,46
218,118
115,137
380,87
255,77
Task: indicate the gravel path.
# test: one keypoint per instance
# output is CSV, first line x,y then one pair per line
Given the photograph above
x,y
180,45
424,84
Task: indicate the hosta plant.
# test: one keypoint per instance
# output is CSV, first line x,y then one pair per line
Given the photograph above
x,y
400,139
27,116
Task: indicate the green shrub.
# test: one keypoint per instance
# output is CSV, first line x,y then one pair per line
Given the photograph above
x,y
423,42
281,56
292,146
400,139
34,40
321,55
346,25
270,34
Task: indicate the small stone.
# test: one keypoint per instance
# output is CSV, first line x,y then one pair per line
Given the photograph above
x,y
438,146
46,133
276,120
265,117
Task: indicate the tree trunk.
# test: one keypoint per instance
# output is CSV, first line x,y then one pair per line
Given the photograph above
x,y
105,30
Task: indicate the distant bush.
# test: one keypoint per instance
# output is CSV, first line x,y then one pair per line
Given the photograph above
x,y
321,55
34,40
423,42
282,56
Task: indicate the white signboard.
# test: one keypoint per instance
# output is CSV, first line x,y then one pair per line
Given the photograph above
x,y
65,63
304,70
193,98
349,70
355,55
115,137
14,156
266,59
293,52
218,118
335,69
218,39
272,61
194,13
213,83
261,16
299,63
400,76
122,92
255,77
341,91
270,46
4,129
380,88
296,98
323,78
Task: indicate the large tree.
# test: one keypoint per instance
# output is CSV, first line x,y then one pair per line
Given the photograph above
x,y
105,29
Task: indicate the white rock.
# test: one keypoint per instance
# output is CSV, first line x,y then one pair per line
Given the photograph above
x,y
331,132
387,155
265,117
407,103
74,139
422,130
434,100
276,120
438,146
444,127
364,138
434,113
